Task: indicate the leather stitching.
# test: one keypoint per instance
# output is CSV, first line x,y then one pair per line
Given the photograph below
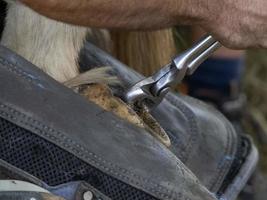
x,y
157,189
221,170
193,126
14,69
82,152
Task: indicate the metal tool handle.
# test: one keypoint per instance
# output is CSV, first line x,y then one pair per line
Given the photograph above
x,y
184,64
206,52
192,58
155,87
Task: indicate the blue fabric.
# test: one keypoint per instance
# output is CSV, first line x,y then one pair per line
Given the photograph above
x,y
216,74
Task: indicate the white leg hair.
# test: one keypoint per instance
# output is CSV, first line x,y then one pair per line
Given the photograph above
x,y
53,46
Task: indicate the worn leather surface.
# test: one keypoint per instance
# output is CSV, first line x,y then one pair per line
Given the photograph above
x,y
34,101
201,136
26,196
208,142
69,191
77,191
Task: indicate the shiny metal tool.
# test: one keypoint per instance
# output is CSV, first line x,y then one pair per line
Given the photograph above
x,y
151,91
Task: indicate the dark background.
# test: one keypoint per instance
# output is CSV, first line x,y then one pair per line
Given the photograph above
x,y
2,15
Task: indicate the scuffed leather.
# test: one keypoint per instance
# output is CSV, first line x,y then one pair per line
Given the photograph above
x,y
36,102
69,191
76,191
201,137
26,196
206,143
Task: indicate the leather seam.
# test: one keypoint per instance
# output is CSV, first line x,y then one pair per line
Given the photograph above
x,y
24,74
14,69
193,126
81,151
220,171
175,143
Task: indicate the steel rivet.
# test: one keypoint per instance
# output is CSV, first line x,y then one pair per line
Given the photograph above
x,y
88,195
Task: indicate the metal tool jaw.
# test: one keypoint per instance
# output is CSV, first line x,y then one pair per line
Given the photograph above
x,y
151,91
